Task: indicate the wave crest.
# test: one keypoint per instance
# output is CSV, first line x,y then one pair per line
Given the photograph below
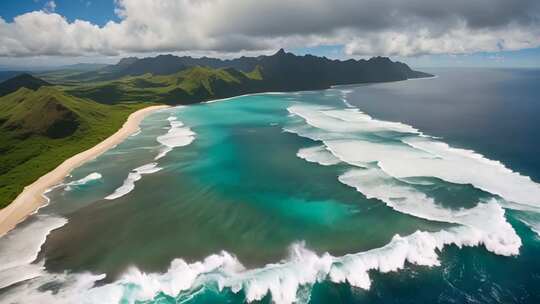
x,y
129,183
283,281
83,181
177,136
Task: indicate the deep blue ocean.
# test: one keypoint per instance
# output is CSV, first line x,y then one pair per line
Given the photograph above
x,y
419,191
492,111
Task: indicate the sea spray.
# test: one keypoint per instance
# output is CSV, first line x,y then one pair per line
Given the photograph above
x,y
282,280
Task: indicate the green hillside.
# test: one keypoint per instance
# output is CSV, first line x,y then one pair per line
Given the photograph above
x,y
21,81
191,85
40,129
184,80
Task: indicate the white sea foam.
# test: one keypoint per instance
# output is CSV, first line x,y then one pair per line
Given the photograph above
x,y
245,95
346,102
423,78
413,155
393,159
89,178
177,136
227,98
348,120
468,167
389,162
487,219
129,183
136,132
482,225
75,288
319,155
21,246
283,281
344,93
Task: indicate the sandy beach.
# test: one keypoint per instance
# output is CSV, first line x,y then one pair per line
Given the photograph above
x,y
32,196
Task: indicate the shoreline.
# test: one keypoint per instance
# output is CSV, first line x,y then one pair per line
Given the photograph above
x,y
33,196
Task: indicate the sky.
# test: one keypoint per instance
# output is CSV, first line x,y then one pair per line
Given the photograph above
x,y
422,33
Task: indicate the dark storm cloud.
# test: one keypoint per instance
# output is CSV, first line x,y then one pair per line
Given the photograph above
x,y
276,18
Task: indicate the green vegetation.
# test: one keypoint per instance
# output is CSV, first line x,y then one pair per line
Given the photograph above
x,y
191,85
21,81
184,80
40,129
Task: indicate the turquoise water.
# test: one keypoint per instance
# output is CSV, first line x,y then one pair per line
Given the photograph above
x,y
296,197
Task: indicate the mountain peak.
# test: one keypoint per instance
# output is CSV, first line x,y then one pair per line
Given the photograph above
x,y
127,61
380,59
281,52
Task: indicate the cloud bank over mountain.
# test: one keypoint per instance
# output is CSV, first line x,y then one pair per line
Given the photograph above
x,y
364,27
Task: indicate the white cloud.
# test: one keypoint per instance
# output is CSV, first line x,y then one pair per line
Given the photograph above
x,y
365,27
458,40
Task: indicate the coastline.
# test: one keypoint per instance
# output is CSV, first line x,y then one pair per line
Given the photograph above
x,y
32,197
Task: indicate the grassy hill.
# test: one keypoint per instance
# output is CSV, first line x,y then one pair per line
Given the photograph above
x,y
191,85
21,81
40,129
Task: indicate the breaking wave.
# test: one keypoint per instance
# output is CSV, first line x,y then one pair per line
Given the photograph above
x,y
355,138
486,220
129,183
384,156
344,93
136,132
282,281
177,136
83,181
318,155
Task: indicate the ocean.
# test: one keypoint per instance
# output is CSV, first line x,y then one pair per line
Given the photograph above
x,y
419,191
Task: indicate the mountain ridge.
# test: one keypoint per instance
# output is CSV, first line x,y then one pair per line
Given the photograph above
x,y
164,78
167,64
